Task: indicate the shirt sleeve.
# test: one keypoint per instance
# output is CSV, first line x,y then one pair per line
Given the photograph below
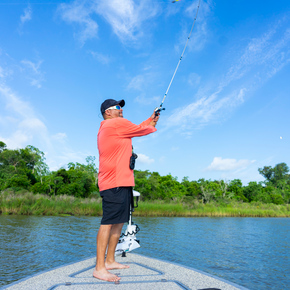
x,y
127,129
146,122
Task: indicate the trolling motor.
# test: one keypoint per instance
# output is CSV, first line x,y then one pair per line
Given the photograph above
x,y
128,241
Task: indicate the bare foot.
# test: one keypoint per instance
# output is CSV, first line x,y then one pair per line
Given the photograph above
x,y
115,265
106,276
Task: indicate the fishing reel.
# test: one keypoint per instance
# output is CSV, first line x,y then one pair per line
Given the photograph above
x,y
158,110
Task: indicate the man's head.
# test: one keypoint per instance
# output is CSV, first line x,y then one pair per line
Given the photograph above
x,y
112,109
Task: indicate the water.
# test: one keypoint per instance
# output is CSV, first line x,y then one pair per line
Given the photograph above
x,y
252,252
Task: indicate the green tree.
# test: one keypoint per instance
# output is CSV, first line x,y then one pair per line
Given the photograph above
x,y
39,167
236,187
253,190
277,176
170,188
142,184
192,188
2,146
208,190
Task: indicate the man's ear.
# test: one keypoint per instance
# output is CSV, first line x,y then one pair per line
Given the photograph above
x,y
107,114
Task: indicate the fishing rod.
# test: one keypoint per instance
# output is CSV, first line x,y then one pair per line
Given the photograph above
x,y
160,108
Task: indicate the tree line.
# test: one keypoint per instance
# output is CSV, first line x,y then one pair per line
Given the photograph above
x,y
26,169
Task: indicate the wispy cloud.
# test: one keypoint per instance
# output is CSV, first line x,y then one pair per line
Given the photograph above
x,y
24,126
203,111
26,16
200,32
20,126
251,67
263,56
101,58
220,164
80,12
124,16
60,137
35,75
142,98
194,79
139,83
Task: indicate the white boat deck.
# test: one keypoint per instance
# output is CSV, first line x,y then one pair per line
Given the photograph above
x,y
144,273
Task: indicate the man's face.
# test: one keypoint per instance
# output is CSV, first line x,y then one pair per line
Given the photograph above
x,y
115,112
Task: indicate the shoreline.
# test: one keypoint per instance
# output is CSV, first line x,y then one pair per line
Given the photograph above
x,y
27,203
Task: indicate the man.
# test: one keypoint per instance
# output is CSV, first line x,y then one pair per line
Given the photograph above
x,y
115,180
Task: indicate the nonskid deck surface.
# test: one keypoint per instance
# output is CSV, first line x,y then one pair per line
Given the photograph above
x,y
144,273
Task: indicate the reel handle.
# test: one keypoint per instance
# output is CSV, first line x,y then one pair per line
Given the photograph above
x,y
158,110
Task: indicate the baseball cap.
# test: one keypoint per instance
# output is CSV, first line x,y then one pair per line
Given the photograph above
x,y
109,103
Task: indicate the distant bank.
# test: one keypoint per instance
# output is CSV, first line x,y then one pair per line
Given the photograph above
x,y
27,203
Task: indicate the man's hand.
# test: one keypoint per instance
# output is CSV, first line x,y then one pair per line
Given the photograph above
x,y
154,118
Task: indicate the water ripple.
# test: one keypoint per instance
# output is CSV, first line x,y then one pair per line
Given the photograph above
x,y
253,252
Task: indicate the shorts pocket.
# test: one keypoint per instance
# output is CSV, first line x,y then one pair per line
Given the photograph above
x,y
113,195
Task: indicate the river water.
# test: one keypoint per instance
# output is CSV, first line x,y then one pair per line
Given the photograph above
x,y
252,252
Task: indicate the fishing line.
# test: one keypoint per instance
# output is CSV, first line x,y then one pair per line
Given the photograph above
x,y
158,109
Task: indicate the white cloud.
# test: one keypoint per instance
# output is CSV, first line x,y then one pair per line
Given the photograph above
x,y
34,73
24,126
203,111
199,35
260,59
137,83
143,99
103,59
26,15
124,17
80,12
194,79
61,137
32,124
142,158
15,104
1,72
20,126
33,66
220,164
263,56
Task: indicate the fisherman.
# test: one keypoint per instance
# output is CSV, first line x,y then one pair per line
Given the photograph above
x,y
115,180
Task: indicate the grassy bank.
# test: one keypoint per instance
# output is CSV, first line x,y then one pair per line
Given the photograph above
x,y
27,203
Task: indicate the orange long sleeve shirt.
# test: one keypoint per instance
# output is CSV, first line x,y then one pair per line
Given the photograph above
x,y
115,150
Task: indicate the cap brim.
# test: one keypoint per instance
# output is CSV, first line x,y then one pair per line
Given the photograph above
x,y
121,103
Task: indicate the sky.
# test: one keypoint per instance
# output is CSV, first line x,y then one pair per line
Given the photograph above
x,y
227,109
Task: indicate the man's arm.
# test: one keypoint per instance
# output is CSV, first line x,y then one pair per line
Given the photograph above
x,y
126,128
152,121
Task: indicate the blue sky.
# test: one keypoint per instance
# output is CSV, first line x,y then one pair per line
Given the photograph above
x,y
227,110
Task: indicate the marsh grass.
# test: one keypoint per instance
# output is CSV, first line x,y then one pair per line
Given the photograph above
x,y
27,203
233,209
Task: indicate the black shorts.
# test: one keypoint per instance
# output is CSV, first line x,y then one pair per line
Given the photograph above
x,y
116,205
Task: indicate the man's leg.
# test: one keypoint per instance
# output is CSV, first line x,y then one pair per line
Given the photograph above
x,y
113,241
100,271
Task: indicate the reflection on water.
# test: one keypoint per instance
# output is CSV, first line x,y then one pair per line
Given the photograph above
x,y
32,244
253,252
